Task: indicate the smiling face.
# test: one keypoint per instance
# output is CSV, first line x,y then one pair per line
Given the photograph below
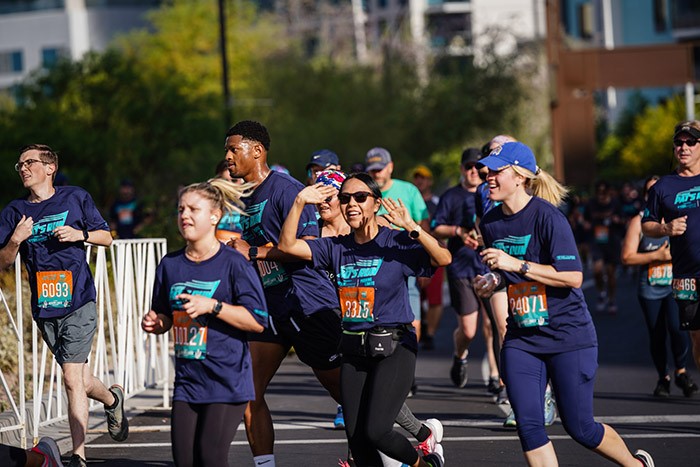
x,y
358,214
197,217
504,183
33,171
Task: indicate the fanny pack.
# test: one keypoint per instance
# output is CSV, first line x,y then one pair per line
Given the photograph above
x,y
378,342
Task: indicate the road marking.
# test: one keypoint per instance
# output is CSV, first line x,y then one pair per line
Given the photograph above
x,y
444,440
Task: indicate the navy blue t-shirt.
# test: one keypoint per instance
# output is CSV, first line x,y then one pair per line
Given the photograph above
x,y
541,233
458,207
673,196
225,375
294,285
371,277
59,276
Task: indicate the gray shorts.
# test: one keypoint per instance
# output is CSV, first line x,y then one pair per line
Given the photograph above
x,y
70,338
462,296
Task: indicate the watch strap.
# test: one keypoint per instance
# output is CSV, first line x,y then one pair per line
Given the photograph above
x,y
217,308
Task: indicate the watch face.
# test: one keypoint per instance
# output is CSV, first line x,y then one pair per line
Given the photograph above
x,y
414,234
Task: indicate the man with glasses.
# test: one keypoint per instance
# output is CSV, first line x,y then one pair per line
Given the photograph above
x,y
673,210
49,229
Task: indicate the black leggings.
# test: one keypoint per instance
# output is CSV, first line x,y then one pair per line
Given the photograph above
x,y
373,391
662,319
11,456
201,434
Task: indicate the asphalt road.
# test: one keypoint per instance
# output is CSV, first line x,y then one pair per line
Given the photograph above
x,y
474,435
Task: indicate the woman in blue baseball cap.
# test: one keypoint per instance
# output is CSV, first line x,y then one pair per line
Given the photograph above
x,y
550,334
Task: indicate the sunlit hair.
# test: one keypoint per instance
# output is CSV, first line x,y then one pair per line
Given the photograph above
x,y
46,154
223,194
543,185
645,190
367,179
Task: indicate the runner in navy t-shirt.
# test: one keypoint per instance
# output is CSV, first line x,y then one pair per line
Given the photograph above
x,y
550,334
49,229
301,300
371,267
210,296
672,210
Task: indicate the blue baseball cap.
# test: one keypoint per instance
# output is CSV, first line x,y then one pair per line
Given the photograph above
x,y
515,154
323,158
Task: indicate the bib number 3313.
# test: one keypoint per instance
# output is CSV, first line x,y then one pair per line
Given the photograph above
x,y
528,304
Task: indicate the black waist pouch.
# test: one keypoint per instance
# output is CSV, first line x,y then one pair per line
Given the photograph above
x,y
382,342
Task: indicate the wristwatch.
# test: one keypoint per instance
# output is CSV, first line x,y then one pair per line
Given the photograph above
x,y
217,308
415,233
253,253
524,268
85,235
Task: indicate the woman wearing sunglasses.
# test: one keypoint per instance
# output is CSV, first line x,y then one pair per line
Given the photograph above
x,y
550,334
371,265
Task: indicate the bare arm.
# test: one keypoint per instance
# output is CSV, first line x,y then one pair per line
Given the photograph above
x,y
630,254
66,233
289,243
543,273
398,215
22,231
235,315
671,229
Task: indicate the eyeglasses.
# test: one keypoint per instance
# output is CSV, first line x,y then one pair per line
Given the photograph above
x,y
360,197
689,142
28,163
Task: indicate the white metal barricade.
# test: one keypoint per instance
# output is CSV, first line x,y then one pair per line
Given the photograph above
x,y
122,353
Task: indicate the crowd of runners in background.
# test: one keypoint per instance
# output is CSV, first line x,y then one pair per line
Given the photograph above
x,y
349,271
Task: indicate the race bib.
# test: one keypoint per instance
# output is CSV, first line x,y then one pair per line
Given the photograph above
x,y
660,273
685,289
190,337
528,304
54,289
271,272
357,304
601,233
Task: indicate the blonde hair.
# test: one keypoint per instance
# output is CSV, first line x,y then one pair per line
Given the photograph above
x,y
224,194
543,185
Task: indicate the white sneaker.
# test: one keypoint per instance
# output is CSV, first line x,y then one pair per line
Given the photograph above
x,y
644,457
436,431
437,457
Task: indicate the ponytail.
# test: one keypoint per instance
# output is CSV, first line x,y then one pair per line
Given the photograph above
x,y
543,185
224,194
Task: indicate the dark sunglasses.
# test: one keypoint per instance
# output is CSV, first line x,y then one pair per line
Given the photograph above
x,y
689,142
360,197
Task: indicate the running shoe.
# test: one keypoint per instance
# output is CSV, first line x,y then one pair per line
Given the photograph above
x,y
435,438
684,382
550,407
644,457
502,397
494,386
48,448
414,389
347,463
510,420
663,387
117,423
458,372
339,422
435,458
77,461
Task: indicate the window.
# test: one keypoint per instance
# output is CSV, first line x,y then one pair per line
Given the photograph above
x,y
660,15
11,61
586,21
51,55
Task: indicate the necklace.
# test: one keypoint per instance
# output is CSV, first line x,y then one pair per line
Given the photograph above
x,y
198,259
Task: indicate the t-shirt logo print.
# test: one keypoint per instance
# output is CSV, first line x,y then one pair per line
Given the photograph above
x,y
514,246
44,227
689,199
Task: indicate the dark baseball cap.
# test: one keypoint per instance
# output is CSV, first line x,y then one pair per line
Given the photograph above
x,y
377,159
323,158
694,132
471,156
